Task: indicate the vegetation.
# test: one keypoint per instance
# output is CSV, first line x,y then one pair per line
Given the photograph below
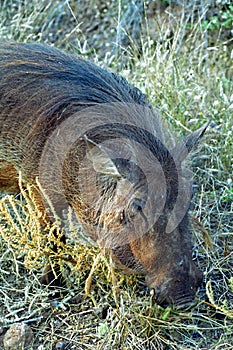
x,y
181,57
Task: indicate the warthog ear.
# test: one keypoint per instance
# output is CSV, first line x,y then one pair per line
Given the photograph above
x,y
101,161
184,147
191,140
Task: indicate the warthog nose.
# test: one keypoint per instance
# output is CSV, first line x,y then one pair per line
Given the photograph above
x,y
177,291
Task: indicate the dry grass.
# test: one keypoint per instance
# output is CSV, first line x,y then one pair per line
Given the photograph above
x,y
186,73
117,313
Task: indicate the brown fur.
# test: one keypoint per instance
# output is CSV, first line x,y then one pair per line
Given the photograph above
x,y
8,177
40,89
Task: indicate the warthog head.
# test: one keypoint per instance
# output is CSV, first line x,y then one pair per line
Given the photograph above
x,y
132,197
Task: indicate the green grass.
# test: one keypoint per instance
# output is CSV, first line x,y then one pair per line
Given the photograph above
x,y
186,70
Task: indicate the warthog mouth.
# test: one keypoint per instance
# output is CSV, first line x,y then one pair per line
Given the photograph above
x,y
179,303
186,305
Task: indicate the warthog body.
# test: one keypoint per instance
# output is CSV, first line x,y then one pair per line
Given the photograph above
x,y
95,143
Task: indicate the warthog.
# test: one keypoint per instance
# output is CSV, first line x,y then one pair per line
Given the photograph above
x,y
95,144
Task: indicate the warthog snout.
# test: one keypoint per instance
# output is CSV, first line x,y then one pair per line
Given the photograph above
x,y
177,289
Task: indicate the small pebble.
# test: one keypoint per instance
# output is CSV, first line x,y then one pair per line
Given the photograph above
x,y
18,337
61,345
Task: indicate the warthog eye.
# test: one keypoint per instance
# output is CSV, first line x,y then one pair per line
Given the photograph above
x,y
138,204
